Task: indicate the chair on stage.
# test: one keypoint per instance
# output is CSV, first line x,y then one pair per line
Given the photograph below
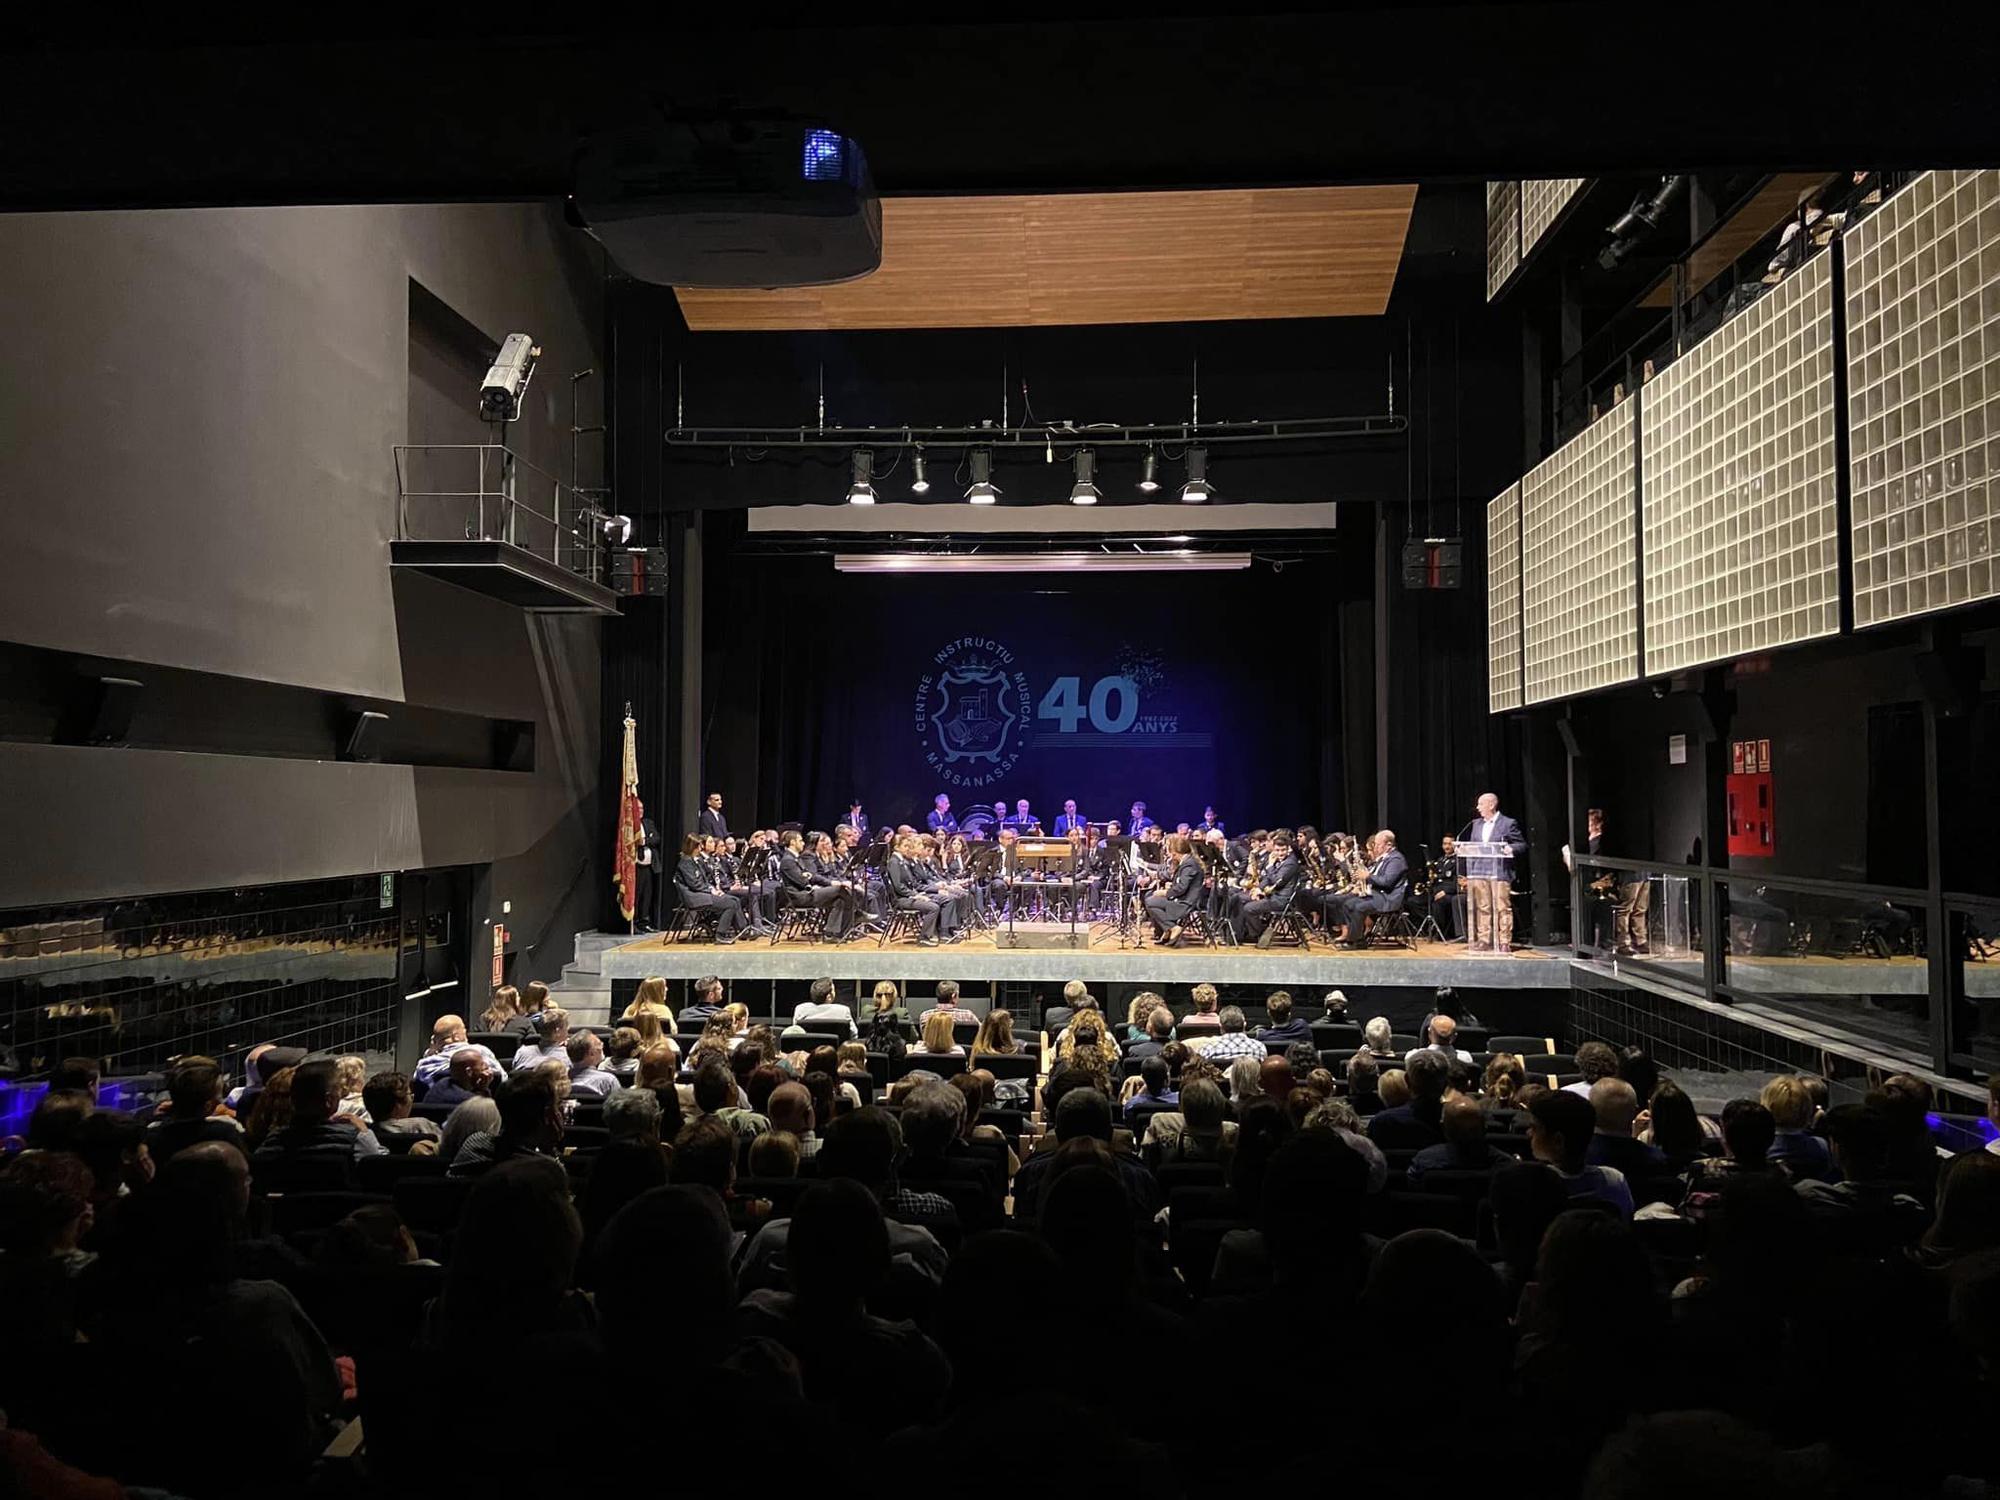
x,y
902,924
1392,929
800,922
686,924
1218,934
1288,926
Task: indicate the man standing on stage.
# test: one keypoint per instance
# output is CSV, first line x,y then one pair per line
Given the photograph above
x,y
1069,822
1490,882
711,823
941,820
1140,825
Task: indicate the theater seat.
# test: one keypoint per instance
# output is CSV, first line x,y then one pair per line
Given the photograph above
x,y
1007,1067
1397,1212
432,1205
1525,1045
380,1174
294,1213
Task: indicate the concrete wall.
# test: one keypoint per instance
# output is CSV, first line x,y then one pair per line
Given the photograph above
x,y
199,410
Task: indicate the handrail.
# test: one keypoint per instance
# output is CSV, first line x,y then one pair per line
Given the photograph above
x,y
509,469
1808,884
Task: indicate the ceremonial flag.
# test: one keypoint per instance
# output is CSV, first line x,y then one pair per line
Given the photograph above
x,y
625,861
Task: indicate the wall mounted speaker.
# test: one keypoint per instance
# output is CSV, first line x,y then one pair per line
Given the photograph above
x,y
360,734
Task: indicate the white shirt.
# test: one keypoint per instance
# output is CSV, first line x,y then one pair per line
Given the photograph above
x,y
1486,828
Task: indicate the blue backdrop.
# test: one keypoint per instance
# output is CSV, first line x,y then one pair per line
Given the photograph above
x,y
1180,690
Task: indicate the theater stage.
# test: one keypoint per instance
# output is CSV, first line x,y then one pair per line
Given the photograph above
x,y
982,959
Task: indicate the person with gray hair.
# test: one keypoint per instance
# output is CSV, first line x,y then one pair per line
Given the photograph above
x,y
1419,1123
1338,1116
1616,1104
931,1119
1232,1043
1380,1037
633,1115
588,1077
1246,1083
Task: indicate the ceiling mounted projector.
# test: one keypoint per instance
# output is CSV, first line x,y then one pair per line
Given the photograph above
x,y
762,201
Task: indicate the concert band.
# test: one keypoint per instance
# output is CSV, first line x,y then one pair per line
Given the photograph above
x,y
954,878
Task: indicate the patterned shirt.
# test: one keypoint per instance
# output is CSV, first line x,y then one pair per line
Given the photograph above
x,y
1230,1046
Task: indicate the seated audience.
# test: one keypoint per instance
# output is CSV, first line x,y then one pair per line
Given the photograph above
x,y
1203,1017
947,1004
472,1074
1364,1084
588,1077
316,1132
1379,1037
1155,1092
1795,1148
1670,1123
1560,1128
838,1253
1500,1085
1747,1133
1230,1042
505,1013
1056,1017
549,1042
936,1039
716,1093
708,999
194,1112
996,1035
1594,1060
823,1012
447,1040
1419,1123
1156,1032
621,1054
791,1111
350,1075
774,1154
1464,1147
1616,1108
1285,1027
388,1098
530,1124
637,1115
1863,1206
1086,1114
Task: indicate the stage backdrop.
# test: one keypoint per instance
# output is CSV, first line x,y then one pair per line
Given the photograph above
x,y
1180,690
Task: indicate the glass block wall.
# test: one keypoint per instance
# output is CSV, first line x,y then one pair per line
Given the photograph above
x,y
1542,201
1923,352
1741,519
1503,600
1579,551
140,982
1503,233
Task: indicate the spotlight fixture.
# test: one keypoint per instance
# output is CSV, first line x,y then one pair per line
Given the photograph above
x,y
982,491
1197,489
861,490
919,482
1149,477
1083,492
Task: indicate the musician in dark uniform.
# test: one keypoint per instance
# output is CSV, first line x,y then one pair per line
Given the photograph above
x,y
857,820
1140,824
711,822
906,892
953,897
694,882
1022,820
941,821
646,859
1388,886
1276,880
1447,900
801,884
1069,821
1170,905
1209,822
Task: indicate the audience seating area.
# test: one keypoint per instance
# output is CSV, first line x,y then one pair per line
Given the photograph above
x,y
530,1265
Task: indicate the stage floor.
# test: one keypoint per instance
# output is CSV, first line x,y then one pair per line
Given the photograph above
x,y
982,958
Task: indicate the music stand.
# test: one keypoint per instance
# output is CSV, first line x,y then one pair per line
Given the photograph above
x,y
1129,931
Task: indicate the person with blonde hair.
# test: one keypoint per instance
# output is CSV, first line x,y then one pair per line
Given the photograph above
x,y
350,1074
937,1039
1795,1148
651,999
1203,1017
996,1035
886,1001
1138,1013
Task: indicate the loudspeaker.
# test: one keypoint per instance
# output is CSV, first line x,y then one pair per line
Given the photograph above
x,y
1432,563
358,733
513,745
99,711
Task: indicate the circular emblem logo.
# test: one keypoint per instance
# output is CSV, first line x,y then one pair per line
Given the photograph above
x,y
970,711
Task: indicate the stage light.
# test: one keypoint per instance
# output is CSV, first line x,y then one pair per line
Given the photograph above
x,y
825,157
982,491
1179,560
507,381
861,490
1149,477
1197,489
614,531
920,483
1083,492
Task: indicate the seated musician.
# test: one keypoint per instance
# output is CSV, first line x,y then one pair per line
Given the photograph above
x,y
940,819
1069,822
1276,882
849,858
801,884
906,890
726,877
694,883
1209,822
954,897
1447,885
1386,887
1169,906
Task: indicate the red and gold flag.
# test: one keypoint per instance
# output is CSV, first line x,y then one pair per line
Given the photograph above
x,y
625,861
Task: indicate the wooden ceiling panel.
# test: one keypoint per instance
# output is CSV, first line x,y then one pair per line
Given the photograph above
x,y
1006,262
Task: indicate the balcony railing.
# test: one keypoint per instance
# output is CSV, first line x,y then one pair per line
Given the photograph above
x,y
487,492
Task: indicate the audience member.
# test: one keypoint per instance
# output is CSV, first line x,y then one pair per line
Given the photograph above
x,y
471,1074
1441,1036
1617,1108
707,1001
1285,1027
1379,1037
621,1053
194,1094
530,1124
447,1040
1464,1147
388,1097
1594,1060
1419,1123
549,1042
1232,1042
316,1132
1795,1147
936,1039
1560,1128
1203,1017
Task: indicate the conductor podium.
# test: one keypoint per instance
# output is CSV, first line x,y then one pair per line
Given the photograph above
x,y
1042,896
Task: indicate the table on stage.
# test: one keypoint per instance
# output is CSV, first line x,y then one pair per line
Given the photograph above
x,y
1044,869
